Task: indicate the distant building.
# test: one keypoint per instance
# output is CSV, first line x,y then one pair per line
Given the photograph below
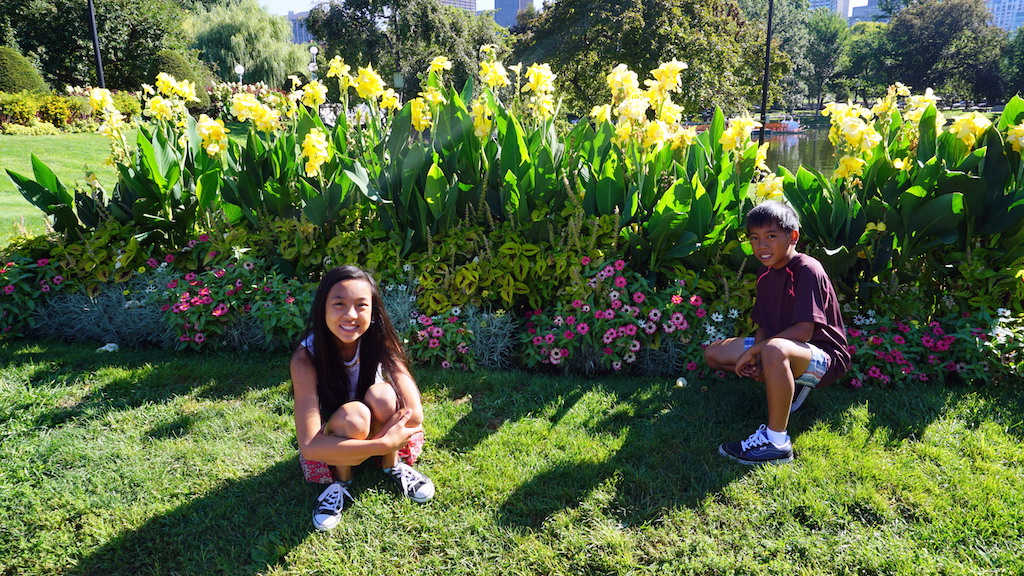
x,y
464,4
1007,14
869,13
505,11
842,7
299,33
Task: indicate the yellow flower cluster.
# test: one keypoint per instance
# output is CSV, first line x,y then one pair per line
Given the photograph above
x,y
245,106
439,64
969,127
1015,136
316,151
631,105
389,100
852,127
541,81
916,106
337,68
849,166
768,188
182,89
113,124
421,118
160,108
482,116
213,133
737,135
314,94
368,84
493,74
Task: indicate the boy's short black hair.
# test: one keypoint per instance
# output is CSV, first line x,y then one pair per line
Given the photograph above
x,y
773,212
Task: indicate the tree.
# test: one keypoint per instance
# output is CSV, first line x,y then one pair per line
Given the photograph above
x,y
403,36
243,32
828,31
17,73
789,31
866,61
55,33
947,45
584,39
1013,64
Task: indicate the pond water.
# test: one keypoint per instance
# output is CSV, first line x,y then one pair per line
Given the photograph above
x,y
810,148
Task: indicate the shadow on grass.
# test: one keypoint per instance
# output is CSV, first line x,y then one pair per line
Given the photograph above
x,y
148,376
242,527
669,457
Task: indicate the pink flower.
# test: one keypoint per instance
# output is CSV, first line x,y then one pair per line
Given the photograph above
x,y
9,289
615,306
607,351
630,329
691,366
446,364
620,264
45,288
696,300
152,263
538,340
582,328
638,297
219,273
436,331
190,276
568,334
678,319
172,284
897,339
549,338
169,258
199,338
617,365
184,338
570,320
654,315
620,281
856,383
249,265
854,333
609,336
433,343
289,300
875,340
701,313
650,328
204,237
42,262
874,372
577,303
585,260
220,309
677,299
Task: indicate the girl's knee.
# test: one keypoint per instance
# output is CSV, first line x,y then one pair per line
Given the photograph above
x,y
352,420
381,400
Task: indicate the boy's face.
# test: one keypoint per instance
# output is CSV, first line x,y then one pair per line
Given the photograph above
x,y
772,245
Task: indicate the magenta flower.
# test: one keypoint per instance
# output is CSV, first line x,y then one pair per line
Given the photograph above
x,y
9,289
696,300
42,262
248,265
654,315
45,288
190,276
856,383
220,309
620,281
630,329
184,338
433,343
199,338
152,263
577,303
204,237
219,273
638,297
549,338
677,299
446,364
289,300
538,340
568,334
701,313
169,258
691,366
570,320
582,328
607,351
620,264
585,260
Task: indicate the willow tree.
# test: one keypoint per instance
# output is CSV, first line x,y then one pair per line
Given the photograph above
x,y
584,39
245,33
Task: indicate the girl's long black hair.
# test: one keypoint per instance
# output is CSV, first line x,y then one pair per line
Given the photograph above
x,y
379,346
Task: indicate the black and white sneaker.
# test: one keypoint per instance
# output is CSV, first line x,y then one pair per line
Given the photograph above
x,y
331,502
757,449
414,484
799,395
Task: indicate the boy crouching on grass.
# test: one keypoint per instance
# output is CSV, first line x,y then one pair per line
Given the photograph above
x,y
800,339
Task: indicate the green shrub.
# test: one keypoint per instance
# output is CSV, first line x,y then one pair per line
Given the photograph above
x,y
17,73
56,110
177,65
127,103
20,108
34,128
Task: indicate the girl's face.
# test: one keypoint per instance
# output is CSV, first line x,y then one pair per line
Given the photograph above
x,y
349,311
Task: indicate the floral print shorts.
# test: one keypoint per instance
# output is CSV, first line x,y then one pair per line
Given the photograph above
x,y
320,472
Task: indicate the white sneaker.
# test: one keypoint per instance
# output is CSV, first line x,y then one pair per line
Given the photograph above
x,y
414,484
332,501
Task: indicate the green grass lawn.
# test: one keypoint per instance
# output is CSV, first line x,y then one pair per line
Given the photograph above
x,y
150,462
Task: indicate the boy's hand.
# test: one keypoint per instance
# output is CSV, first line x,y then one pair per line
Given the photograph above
x,y
749,364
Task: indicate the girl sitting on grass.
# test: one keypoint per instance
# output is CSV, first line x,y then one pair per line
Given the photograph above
x,y
354,395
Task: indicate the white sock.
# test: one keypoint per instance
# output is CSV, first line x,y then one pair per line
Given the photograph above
x,y
777,438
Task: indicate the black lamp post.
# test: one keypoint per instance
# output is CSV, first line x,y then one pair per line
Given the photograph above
x,y
764,81
96,45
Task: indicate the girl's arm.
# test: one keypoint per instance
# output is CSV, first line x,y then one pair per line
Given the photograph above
x,y
315,445
410,394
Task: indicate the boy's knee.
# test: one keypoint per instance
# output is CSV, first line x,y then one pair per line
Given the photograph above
x,y
352,420
775,351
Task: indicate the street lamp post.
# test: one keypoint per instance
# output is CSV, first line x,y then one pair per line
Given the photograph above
x,y
313,51
764,82
96,45
239,69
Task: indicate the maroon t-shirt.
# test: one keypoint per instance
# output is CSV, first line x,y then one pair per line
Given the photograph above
x,y
802,292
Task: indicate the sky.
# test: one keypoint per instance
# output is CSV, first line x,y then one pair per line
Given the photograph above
x,y
282,7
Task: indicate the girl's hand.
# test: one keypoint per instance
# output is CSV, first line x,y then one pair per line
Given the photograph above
x,y
395,432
